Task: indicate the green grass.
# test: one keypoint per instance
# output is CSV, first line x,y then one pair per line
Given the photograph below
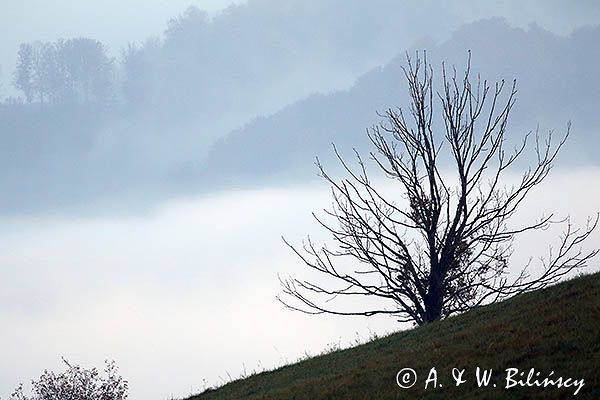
x,y
556,329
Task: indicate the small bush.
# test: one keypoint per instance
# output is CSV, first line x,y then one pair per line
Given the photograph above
x,y
77,383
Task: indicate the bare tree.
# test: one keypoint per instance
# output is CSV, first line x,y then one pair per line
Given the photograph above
x,y
444,247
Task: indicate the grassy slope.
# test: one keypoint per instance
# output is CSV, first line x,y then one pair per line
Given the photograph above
x,y
557,329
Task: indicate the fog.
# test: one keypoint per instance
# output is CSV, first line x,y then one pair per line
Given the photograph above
x,y
152,155
251,93
118,22
185,296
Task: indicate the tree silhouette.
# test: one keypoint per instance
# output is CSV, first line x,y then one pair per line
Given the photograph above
x,y
75,71
23,78
444,247
87,71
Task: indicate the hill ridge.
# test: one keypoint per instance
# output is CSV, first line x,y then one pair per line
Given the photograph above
x,y
552,330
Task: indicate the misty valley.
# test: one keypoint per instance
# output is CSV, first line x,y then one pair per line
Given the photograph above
x,y
271,199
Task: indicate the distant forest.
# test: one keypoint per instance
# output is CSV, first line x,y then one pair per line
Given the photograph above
x,y
221,102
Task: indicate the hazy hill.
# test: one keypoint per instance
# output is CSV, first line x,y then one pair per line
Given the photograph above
x,y
554,86
165,100
155,140
556,329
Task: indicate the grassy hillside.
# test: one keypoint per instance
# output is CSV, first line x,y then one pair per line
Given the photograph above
x,y
557,329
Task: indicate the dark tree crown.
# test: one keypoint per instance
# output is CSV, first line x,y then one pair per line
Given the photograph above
x,y
443,248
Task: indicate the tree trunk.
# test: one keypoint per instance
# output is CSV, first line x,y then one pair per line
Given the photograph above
x,y
434,298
